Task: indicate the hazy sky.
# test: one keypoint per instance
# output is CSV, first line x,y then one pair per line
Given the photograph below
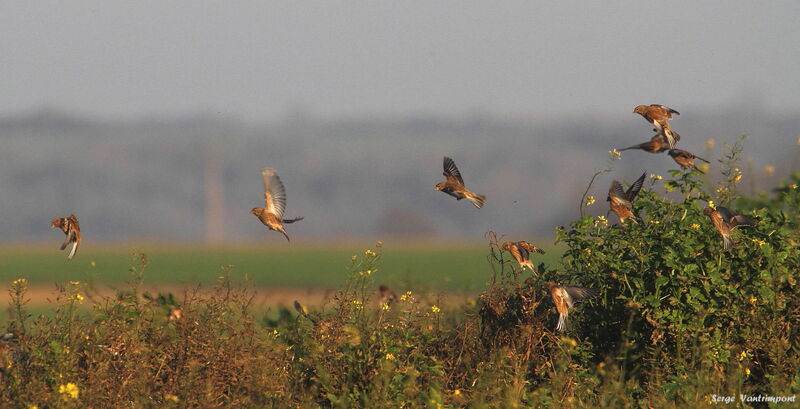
x,y
259,59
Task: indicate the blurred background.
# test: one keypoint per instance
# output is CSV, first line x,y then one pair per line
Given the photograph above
x,y
151,120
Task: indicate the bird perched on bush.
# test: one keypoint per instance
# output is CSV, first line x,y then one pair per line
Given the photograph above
x,y
657,144
454,185
565,297
686,159
274,203
724,221
621,201
658,116
521,251
72,229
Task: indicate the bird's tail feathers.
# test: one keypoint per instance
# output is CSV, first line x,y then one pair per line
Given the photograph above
x,y
73,251
476,199
562,323
284,233
727,242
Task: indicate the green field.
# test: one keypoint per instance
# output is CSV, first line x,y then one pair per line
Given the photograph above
x,y
447,266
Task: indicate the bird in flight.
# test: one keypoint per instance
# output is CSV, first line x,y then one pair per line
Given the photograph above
x,y
724,221
658,116
656,144
621,200
686,159
454,185
565,297
274,203
72,229
521,251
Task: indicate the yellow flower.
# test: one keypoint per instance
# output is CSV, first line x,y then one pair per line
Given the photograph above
x,y
710,143
20,282
435,309
589,200
769,169
69,391
793,186
704,167
384,306
457,392
614,154
389,357
752,300
747,371
33,407
569,341
588,250
75,283
654,222
407,296
711,204
78,298
695,226
365,273
171,398
93,264
737,177
759,242
370,253
656,177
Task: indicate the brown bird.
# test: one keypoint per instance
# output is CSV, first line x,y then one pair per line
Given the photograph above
x,y
387,295
521,251
70,227
621,201
658,116
686,159
724,221
565,297
274,203
657,144
454,185
302,310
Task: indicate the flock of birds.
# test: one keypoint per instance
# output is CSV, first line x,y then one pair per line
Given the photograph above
x,y
564,296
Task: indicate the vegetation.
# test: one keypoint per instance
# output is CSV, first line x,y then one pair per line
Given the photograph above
x,y
678,320
442,266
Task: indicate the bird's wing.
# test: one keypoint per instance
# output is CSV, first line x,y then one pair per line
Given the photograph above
x,y
579,294
670,111
73,220
630,195
450,170
735,220
274,192
616,191
530,247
